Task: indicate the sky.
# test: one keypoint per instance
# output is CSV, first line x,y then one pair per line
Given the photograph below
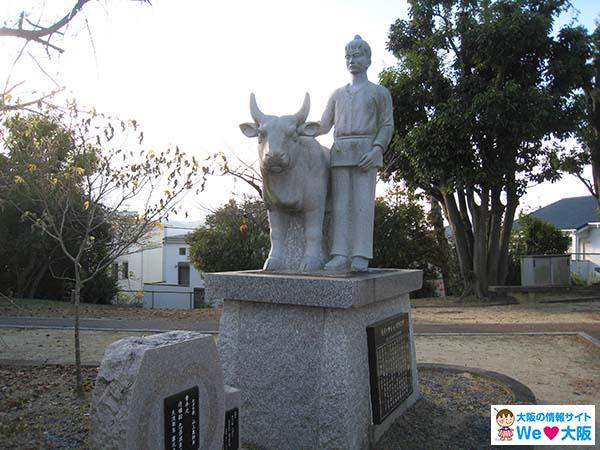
x,y
185,69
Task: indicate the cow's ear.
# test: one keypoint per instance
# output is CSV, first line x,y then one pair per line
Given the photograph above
x,y
309,129
249,129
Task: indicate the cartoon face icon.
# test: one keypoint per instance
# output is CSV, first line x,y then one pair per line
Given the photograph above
x,y
505,420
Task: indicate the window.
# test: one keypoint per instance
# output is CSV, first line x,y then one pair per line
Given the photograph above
x,y
115,271
182,251
125,270
183,274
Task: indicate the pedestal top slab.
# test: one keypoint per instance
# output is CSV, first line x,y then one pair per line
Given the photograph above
x,y
323,289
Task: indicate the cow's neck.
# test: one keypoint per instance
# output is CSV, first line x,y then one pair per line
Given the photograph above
x,y
284,190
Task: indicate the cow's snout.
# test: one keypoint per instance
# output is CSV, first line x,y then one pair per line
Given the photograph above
x,y
276,162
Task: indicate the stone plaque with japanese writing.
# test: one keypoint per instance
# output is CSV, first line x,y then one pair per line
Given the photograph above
x,y
181,421
158,392
231,439
389,365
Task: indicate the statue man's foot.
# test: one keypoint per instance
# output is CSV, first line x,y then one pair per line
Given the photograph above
x,y
338,262
273,263
359,264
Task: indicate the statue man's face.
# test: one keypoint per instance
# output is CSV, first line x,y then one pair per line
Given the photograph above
x,y
356,60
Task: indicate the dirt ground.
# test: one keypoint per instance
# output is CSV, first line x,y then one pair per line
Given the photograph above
x,y
584,312
558,369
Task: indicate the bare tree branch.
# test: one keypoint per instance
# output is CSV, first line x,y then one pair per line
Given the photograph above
x,y
38,31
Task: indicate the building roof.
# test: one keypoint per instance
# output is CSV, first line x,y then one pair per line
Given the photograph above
x,y
175,238
569,213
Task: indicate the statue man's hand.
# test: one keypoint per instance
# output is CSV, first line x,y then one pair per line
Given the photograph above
x,y
368,159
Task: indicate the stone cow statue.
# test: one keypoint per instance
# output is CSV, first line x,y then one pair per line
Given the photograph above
x,y
295,173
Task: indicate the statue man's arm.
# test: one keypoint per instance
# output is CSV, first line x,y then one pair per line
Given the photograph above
x,y
384,132
386,125
328,117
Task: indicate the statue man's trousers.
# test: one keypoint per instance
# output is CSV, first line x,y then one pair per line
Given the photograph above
x,y
353,195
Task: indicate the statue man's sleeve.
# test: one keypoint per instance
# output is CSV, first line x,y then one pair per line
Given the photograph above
x,y
328,117
386,119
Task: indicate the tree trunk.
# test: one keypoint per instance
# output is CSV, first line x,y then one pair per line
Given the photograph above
x,y
594,147
512,202
461,240
494,255
76,293
23,276
39,275
437,220
480,215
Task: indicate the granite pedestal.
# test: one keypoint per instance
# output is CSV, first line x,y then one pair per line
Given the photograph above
x,y
296,346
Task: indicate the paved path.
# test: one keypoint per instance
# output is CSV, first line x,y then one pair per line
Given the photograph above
x,y
109,324
591,329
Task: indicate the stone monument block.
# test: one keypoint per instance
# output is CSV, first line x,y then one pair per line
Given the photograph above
x,y
297,346
159,392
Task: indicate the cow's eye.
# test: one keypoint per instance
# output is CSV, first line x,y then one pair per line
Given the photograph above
x,y
261,136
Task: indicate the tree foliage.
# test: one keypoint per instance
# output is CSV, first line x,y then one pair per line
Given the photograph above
x,y
588,131
479,89
403,236
29,273
235,237
79,177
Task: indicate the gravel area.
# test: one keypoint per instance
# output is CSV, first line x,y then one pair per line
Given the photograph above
x,y
454,413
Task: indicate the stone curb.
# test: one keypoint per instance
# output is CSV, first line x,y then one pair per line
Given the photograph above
x,y
522,394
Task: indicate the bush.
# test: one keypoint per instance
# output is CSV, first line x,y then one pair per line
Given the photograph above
x,y
101,289
533,236
235,237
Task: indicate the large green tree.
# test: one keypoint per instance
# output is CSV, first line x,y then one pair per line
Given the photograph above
x,y
479,89
588,131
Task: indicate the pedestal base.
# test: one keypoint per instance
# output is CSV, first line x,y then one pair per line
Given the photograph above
x,y
296,346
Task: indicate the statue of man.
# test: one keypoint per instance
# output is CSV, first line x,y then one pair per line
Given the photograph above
x,y
362,114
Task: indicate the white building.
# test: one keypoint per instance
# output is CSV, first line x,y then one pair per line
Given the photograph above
x,y
577,217
160,268
586,252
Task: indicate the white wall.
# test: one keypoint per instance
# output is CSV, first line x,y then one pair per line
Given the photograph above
x,y
172,258
587,260
166,296
588,242
145,266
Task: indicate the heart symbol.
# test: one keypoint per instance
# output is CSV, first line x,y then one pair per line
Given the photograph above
x,y
551,432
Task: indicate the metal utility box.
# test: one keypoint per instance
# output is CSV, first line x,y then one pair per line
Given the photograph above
x,y
545,270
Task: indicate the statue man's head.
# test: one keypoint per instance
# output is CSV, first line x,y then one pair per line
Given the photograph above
x,y
358,55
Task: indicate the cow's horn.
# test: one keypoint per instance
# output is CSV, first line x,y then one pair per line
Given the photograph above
x,y
303,113
255,112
